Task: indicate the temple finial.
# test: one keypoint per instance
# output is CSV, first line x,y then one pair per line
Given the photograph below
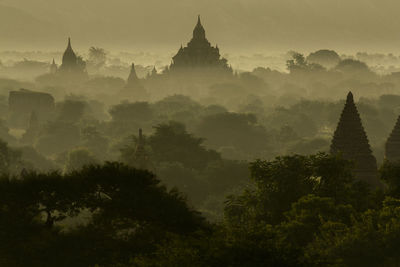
x,y
350,97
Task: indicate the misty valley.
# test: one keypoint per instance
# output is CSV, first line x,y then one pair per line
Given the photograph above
x,y
200,158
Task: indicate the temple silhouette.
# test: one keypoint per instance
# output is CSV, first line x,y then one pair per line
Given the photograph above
x,y
199,53
71,63
351,142
141,159
133,80
392,147
134,86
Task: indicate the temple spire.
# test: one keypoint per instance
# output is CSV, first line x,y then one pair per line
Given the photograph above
x,y
351,141
69,60
140,157
154,71
350,98
53,67
199,32
392,148
133,78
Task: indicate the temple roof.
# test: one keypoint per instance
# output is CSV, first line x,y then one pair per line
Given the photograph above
x,y
351,141
133,78
198,52
392,152
135,85
141,159
69,56
199,32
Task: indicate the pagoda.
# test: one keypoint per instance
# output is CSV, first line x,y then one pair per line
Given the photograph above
x,y
133,80
141,159
53,67
71,63
198,53
134,87
392,148
351,142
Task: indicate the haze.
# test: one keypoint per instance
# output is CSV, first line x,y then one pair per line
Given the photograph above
x,y
237,25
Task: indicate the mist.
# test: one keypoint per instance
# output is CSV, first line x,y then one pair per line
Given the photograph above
x,y
161,25
199,133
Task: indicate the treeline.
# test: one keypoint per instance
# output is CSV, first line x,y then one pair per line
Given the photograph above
x,y
202,150
296,211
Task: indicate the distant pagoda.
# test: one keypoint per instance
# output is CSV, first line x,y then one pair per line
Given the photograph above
x,y
141,159
133,80
134,87
351,141
71,63
198,53
392,148
53,67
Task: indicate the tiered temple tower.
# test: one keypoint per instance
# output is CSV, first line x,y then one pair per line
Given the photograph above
x,y
53,67
70,62
141,159
133,80
392,152
199,53
350,140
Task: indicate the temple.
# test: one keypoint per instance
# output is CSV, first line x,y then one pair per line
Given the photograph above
x,y
23,102
351,142
53,67
133,80
134,87
70,62
198,53
141,159
392,148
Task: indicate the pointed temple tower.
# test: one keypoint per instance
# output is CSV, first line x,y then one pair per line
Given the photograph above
x,y
133,80
350,140
141,158
134,87
154,72
70,62
392,148
198,53
53,67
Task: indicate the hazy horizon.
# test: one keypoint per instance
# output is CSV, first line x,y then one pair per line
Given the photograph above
x,y
237,26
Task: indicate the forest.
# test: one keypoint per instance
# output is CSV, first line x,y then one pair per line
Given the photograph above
x,y
197,162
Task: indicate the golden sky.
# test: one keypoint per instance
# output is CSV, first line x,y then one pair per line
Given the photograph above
x,y
276,25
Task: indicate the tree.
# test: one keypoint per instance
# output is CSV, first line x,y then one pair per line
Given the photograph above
x,y
283,181
78,158
10,159
97,58
298,64
325,58
351,66
240,131
129,214
172,143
